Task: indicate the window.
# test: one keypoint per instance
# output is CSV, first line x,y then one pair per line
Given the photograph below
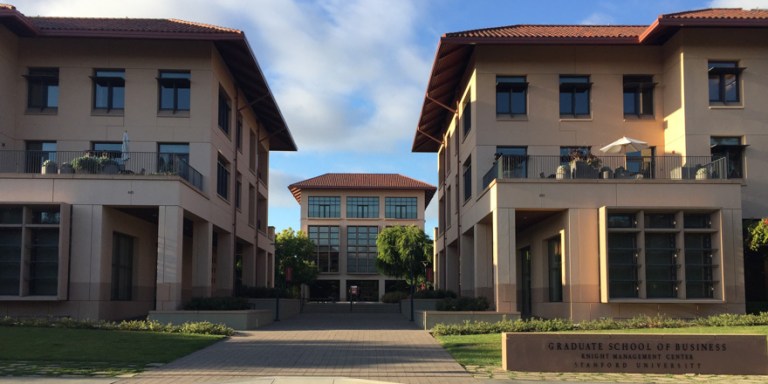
x,y
174,90
400,207
122,266
251,204
252,151
731,151
467,178
466,119
724,82
642,162
514,161
574,96
239,133
361,249
43,88
238,189
569,153
511,95
222,177
362,207
224,111
173,158
326,239
661,255
638,95
324,206
448,207
111,149
109,89
555,263
37,153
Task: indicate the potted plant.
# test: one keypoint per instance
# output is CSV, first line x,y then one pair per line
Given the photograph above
x,y
108,165
562,172
66,168
702,173
85,164
49,167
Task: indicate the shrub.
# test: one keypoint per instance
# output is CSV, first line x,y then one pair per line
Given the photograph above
x,y
86,164
394,297
206,328
216,304
435,294
200,328
463,304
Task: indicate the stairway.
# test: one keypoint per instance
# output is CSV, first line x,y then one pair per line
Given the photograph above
x,y
356,307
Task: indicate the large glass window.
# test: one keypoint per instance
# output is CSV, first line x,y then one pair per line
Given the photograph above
x,y
638,95
732,151
466,118
173,158
724,82
555,264
111,149
400,208
514,161
361,249
661,264
222,177
109,89
324,206
326,239
362,207
574,96
174,90
467,178
622,265
43,88
225,110
511,95
122,266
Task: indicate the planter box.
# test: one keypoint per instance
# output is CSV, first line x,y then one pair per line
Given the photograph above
x,y
239,320
288,307
426,320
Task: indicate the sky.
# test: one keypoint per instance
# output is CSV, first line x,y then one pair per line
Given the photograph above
x,y
350,76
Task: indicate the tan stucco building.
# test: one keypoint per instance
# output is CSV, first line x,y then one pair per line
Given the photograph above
x,y
531,220
343,214
96,226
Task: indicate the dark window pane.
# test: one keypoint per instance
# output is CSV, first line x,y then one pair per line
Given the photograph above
x,y
581,106
502,103
518,103
566,106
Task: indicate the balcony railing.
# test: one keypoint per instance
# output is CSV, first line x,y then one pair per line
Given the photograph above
x,y
108,163
607,167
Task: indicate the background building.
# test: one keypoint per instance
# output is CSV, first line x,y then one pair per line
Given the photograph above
x,y
153,140
343,214
531,220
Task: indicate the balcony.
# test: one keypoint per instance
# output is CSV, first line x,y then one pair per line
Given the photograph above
x,y
607,168
106,163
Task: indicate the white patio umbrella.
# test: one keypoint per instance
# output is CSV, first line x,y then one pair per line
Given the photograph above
x,y
126,155
625,144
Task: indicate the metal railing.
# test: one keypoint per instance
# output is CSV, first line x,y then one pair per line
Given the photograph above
x,y
607,167
107,163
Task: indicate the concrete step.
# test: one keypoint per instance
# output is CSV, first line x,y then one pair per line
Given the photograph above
x,y
356,307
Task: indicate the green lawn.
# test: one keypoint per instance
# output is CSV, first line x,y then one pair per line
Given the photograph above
x,y
485,350
57,351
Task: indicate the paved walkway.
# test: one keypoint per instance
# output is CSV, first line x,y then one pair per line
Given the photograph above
x,y
383,347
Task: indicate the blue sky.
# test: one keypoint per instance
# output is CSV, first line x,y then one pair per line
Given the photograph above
x,y
350,75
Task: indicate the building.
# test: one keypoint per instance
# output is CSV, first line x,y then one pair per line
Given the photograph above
x,y
343,214
134,158
533,221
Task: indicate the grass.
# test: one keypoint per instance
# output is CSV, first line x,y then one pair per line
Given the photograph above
x,y
57,351
485,350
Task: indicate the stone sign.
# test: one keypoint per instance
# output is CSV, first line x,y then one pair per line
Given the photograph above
x,y
635,353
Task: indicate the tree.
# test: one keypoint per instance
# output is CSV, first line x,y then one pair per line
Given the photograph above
x,y
296,251
758,234
402,250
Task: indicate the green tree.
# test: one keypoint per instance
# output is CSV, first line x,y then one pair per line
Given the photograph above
x,y
296,251
758,234
402,250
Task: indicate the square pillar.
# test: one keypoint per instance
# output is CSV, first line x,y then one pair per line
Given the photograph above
x,y
225,265
170,239
484,261
467,264
202,258
250,268
504,256
452,268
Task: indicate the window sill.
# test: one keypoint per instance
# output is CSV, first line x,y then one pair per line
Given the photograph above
x,y
223,198
30,298
172,114
635,118
726,106
104,112
571,119
42,111
511,117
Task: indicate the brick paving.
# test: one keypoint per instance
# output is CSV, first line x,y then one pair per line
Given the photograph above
x,y
383,347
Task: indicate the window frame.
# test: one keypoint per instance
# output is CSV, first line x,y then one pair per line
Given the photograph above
x,y
733,153
224,112
363,207
555,269
354,243
324,207
46,80
112,79
175,80
325,249
641,88
518,84
401,207
467,178
572,85
123,267
719,70
222,177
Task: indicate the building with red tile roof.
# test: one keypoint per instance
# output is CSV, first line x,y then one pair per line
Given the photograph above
x,y
543,211
343,213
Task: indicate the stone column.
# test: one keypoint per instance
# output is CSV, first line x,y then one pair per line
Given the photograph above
x,y
484,261
504,256
250,266
202,258
467,265
452,268
170,235
225,265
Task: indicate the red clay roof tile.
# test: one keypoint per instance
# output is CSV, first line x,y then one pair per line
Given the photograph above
x,y
719,13
554,31
125,25
375,181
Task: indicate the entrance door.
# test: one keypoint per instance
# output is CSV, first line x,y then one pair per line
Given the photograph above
x,y
524,266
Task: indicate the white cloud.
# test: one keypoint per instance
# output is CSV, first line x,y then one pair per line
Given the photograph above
x,y
279,196
598,18
347,74
746,4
